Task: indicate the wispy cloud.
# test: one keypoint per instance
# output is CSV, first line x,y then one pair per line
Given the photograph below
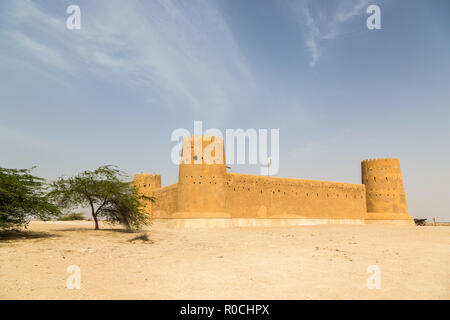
x,y
44,54
183,53
321,25
312,37
351,9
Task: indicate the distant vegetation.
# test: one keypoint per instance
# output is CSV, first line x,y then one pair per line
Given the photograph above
x,y
72,216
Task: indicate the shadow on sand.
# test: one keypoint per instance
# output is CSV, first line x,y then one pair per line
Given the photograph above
x,y
141,236
25,235
120,230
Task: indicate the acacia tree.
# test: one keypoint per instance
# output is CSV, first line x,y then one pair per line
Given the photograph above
x,y
23,197
106,193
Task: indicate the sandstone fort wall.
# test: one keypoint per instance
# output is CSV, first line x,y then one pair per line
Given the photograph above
x,y
206,190
268,197
165,201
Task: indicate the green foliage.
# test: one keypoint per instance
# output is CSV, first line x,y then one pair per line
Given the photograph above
x,y
72,216
22,198
106,193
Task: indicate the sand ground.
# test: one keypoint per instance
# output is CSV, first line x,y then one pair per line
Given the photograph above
x,y
307,262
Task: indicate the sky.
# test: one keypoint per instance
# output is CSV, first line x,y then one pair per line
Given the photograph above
x,y
113,91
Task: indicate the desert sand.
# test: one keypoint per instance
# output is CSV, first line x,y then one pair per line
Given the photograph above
x,y
305,262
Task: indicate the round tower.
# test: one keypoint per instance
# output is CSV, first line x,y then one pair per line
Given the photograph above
x,y
202,178
384,186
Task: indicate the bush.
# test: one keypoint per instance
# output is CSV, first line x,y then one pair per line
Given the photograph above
x,y
72,216
420,222
23,198
108,194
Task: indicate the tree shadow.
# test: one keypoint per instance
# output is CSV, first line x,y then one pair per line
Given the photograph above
x,y
122,230
99,231
25,235
143,238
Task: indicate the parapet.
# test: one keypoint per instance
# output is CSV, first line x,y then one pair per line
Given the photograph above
x,y
203,150
147,181
377,162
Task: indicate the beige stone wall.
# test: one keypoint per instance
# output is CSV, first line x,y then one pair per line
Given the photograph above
x,y
248,196
165,201
251,196
165,198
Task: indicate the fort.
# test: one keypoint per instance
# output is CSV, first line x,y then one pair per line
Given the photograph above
x,y
206,195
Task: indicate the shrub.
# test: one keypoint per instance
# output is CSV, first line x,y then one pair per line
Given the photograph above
x,y
23,198
106,193
72,216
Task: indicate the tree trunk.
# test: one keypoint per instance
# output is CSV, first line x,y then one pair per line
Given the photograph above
x,y
96,223
94,215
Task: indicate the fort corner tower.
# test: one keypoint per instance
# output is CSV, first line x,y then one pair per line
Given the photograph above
x,y
385,192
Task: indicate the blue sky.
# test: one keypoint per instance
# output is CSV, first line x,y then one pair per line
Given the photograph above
x,y
113,92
